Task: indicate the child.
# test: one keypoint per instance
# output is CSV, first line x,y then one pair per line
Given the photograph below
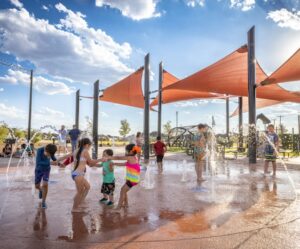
x,y
199,151
132,172
160,149
81,159
270,152
42,169
108,184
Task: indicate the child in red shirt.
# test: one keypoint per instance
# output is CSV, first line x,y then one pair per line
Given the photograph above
x,y
160,149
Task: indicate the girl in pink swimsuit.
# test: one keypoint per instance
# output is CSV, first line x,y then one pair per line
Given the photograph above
x,y
132,173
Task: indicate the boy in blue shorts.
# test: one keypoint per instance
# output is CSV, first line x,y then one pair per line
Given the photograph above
x,y
43,167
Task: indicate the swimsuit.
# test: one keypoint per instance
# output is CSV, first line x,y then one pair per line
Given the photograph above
x,y
198,150
76,173
132,174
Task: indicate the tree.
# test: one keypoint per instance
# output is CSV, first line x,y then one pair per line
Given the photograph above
x,y
19,133
125,128
3,132
167,127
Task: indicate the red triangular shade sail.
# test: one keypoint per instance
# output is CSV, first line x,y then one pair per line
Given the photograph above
x,y
127,91
174,95
230,76
288,71
260,103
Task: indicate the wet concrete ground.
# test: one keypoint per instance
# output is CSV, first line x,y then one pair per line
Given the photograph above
x,y
232,209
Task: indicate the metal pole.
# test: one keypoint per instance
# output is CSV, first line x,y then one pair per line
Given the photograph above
x,y
30,107
298,138
293,140
227,116
146,110
280,125
176,119
299,125
240,122
95,119
77,109
160,80
252,95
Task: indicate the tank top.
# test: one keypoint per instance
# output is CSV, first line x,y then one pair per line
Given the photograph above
x,y
133,172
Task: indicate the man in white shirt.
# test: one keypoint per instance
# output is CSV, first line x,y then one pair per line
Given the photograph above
x,y
62,140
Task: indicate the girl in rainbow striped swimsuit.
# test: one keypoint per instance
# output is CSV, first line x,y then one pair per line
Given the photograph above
x,y
132,172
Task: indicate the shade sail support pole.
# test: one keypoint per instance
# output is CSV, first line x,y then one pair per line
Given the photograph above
x,y
146,110
240,123
227,116
252,95
95,119
30,107
160,80
77,109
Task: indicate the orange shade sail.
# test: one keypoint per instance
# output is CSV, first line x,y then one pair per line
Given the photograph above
x,y
174,95
260,103
127,91
230,76
288,71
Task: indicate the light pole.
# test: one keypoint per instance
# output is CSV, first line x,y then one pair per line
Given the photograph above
x,y
95,118
30,107
77,106
147,109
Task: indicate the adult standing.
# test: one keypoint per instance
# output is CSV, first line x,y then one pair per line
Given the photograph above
x,y
62,139
74,135
139,142
199,151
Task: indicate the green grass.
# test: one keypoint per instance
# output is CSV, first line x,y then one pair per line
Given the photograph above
x,y
175,149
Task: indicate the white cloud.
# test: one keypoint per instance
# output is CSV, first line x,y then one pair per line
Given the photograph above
x,y
40,83
11,112
104,115
49,116
244,5
285,109
136,10
44,7
69,49
285,18
194,3
1,89
17,3
194,103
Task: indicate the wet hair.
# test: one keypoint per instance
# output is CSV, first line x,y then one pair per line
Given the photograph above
x,y
51,149
130,149
271,126
201,126
108,152
138,134
158,138
81,144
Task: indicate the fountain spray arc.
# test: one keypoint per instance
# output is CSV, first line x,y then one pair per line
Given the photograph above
x,y
283,164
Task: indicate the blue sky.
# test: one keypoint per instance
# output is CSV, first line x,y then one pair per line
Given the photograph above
x,y
70,44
